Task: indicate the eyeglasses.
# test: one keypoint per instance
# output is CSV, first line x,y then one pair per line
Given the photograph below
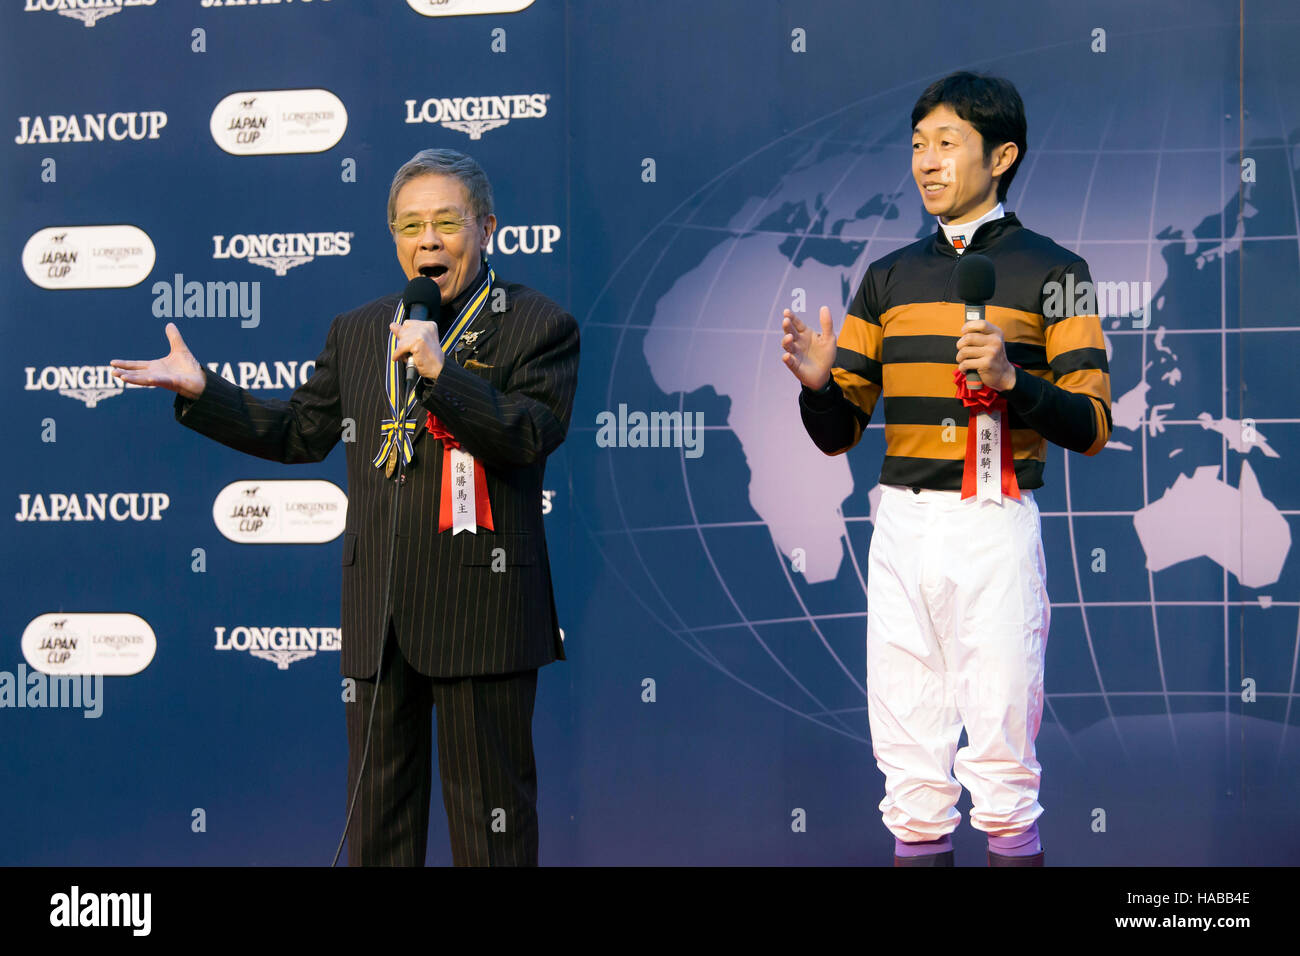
x,y
414,227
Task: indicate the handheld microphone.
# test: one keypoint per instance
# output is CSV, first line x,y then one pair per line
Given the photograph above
x,y
422,298
976,281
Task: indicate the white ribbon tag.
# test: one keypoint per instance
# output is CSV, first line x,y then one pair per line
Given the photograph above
x,y
988,457
463,513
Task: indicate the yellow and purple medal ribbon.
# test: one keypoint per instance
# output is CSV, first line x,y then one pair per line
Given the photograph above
x,y
398,429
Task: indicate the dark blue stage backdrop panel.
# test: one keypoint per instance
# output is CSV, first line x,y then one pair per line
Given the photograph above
x,y
674,175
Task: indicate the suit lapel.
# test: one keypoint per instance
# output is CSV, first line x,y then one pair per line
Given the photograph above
x,y
481,333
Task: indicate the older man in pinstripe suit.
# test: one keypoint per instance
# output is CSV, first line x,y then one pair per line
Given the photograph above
x,y
472,615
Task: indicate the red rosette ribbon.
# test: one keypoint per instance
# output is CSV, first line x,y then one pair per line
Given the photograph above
x,y
482,506
985,400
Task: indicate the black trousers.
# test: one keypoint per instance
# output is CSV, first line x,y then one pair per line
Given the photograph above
x,y
485,758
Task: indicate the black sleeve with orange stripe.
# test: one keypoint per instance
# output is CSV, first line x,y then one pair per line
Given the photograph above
x,y
836,415
1074,410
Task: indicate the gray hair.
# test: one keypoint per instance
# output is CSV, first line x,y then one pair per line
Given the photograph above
x,y
445,162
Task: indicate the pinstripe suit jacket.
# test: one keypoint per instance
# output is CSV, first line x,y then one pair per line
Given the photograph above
x,y
507,399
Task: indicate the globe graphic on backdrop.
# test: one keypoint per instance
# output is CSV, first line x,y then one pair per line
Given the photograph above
x,y
1161,550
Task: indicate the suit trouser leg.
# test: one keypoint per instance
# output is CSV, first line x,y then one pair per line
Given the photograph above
x,y
489,776
390,824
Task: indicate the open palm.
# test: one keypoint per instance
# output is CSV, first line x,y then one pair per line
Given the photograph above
x,y
809,354
177,371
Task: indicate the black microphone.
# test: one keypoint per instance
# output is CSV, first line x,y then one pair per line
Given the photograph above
x,y
975,283
422,297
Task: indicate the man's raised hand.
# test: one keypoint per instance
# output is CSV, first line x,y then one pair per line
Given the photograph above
x,y
178,371
809,355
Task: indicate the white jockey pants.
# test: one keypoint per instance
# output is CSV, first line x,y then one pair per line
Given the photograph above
x,y
957,619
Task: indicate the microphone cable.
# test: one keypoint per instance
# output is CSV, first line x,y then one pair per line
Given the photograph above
x,y
383,643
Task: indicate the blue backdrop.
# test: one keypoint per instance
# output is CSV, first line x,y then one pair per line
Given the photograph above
x,y
674,174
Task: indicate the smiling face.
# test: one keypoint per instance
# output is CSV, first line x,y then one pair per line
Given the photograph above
x,y
956,183
450,260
